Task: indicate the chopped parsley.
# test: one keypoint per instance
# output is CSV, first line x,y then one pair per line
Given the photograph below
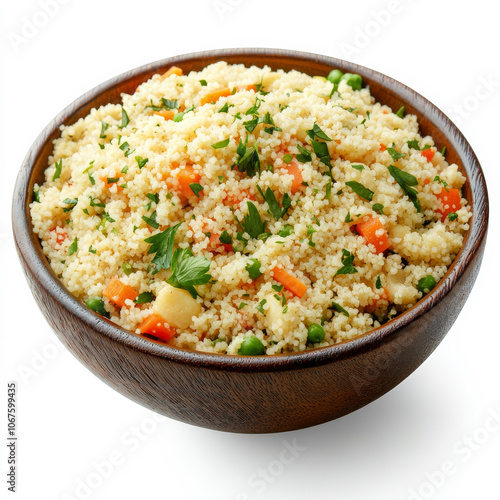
x,y
338,308
96,203
360,190
286,231
203,83
153,198
329,190
71,202
91,250
304,156
260,306
141,162
144,298
225,108
253,224
444,183
125,118
395,155
196,188
253,269
347,264
151,221
36,195
58,171
406,180
248,159
378,283
104,127
287,158
401,112
274,208
413,144
73,247
221,144
162,245
225,238
125,147
348,217
358,167
378,207
242,305
317,132
188,271
443,151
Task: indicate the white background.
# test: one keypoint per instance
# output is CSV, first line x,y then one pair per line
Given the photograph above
x,y
69,422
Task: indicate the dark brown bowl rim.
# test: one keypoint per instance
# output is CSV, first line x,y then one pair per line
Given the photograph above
x,y
37,262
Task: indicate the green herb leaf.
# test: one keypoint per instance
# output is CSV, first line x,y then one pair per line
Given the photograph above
x,y
443,151
91,250
141,162
378,283
253,269
73,247
71,202
225,108
395,155
221,144
317,132
304,156
151,220
286,231
254,110
125,118
358,167
329,190
169,104
188,271
162,244
405,180
58,171
203,83
112,180
125,147
348,217
96,204
248,159
253,223
413,144
104,127
360,190
242,305
144,298
347,264
225,238
260,306
338,308
401,112
378,207
287,158
196,188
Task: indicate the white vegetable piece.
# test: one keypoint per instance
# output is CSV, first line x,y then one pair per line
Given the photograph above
x,y
176,306
274,318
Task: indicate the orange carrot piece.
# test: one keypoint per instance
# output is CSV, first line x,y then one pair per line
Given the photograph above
x,y
173,70
117,292
293,169
382,147
450,201
60,235
155,325
186,177
427,181
168,114
217,245
214,96
374,233
108,185
428,154
291,283
241,88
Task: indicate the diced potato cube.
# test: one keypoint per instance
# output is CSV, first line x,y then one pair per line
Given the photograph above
x,y
176,306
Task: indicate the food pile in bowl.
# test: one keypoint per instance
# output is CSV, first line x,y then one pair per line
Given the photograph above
x,y
248,211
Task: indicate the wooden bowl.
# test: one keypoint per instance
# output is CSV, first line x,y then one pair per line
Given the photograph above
x,y
255,394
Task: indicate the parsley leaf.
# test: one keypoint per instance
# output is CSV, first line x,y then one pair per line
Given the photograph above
x,y
196,188
71,202
248,159
225,108
221,144
253,269
338,308
378,283
317,132
225,238
162,245
73,247
125,119
287,158
144,298
286,231
151,220
304,156
253,223
405,180
104,127
203,83
329,190
347,261
360,190
58,171
401,112
260,306
413,144
141,162
378,207
360,168
395,155
274,208
188,271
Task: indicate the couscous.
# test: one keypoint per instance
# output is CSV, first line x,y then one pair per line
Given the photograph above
x,y
248,211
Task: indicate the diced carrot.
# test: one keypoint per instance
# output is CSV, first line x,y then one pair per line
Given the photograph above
x,y
428,154
61,235
117,292
217,245
382,147
173,70
241,88
155,325
450,202
233,199
215,96
108,185
374,233
293,169
186,177
291,283
168,114
427,181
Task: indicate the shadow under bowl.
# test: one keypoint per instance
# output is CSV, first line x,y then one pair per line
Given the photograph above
x,y
255,394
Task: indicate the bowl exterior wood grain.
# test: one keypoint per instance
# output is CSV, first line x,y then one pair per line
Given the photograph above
x,y
255,394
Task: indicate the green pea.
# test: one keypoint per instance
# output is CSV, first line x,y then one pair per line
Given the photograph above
x,y
315,333
253,268
335,76
354,80
426,284
252,346
97,305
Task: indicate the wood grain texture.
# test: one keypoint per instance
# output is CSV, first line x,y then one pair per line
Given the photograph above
x,y
255,394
